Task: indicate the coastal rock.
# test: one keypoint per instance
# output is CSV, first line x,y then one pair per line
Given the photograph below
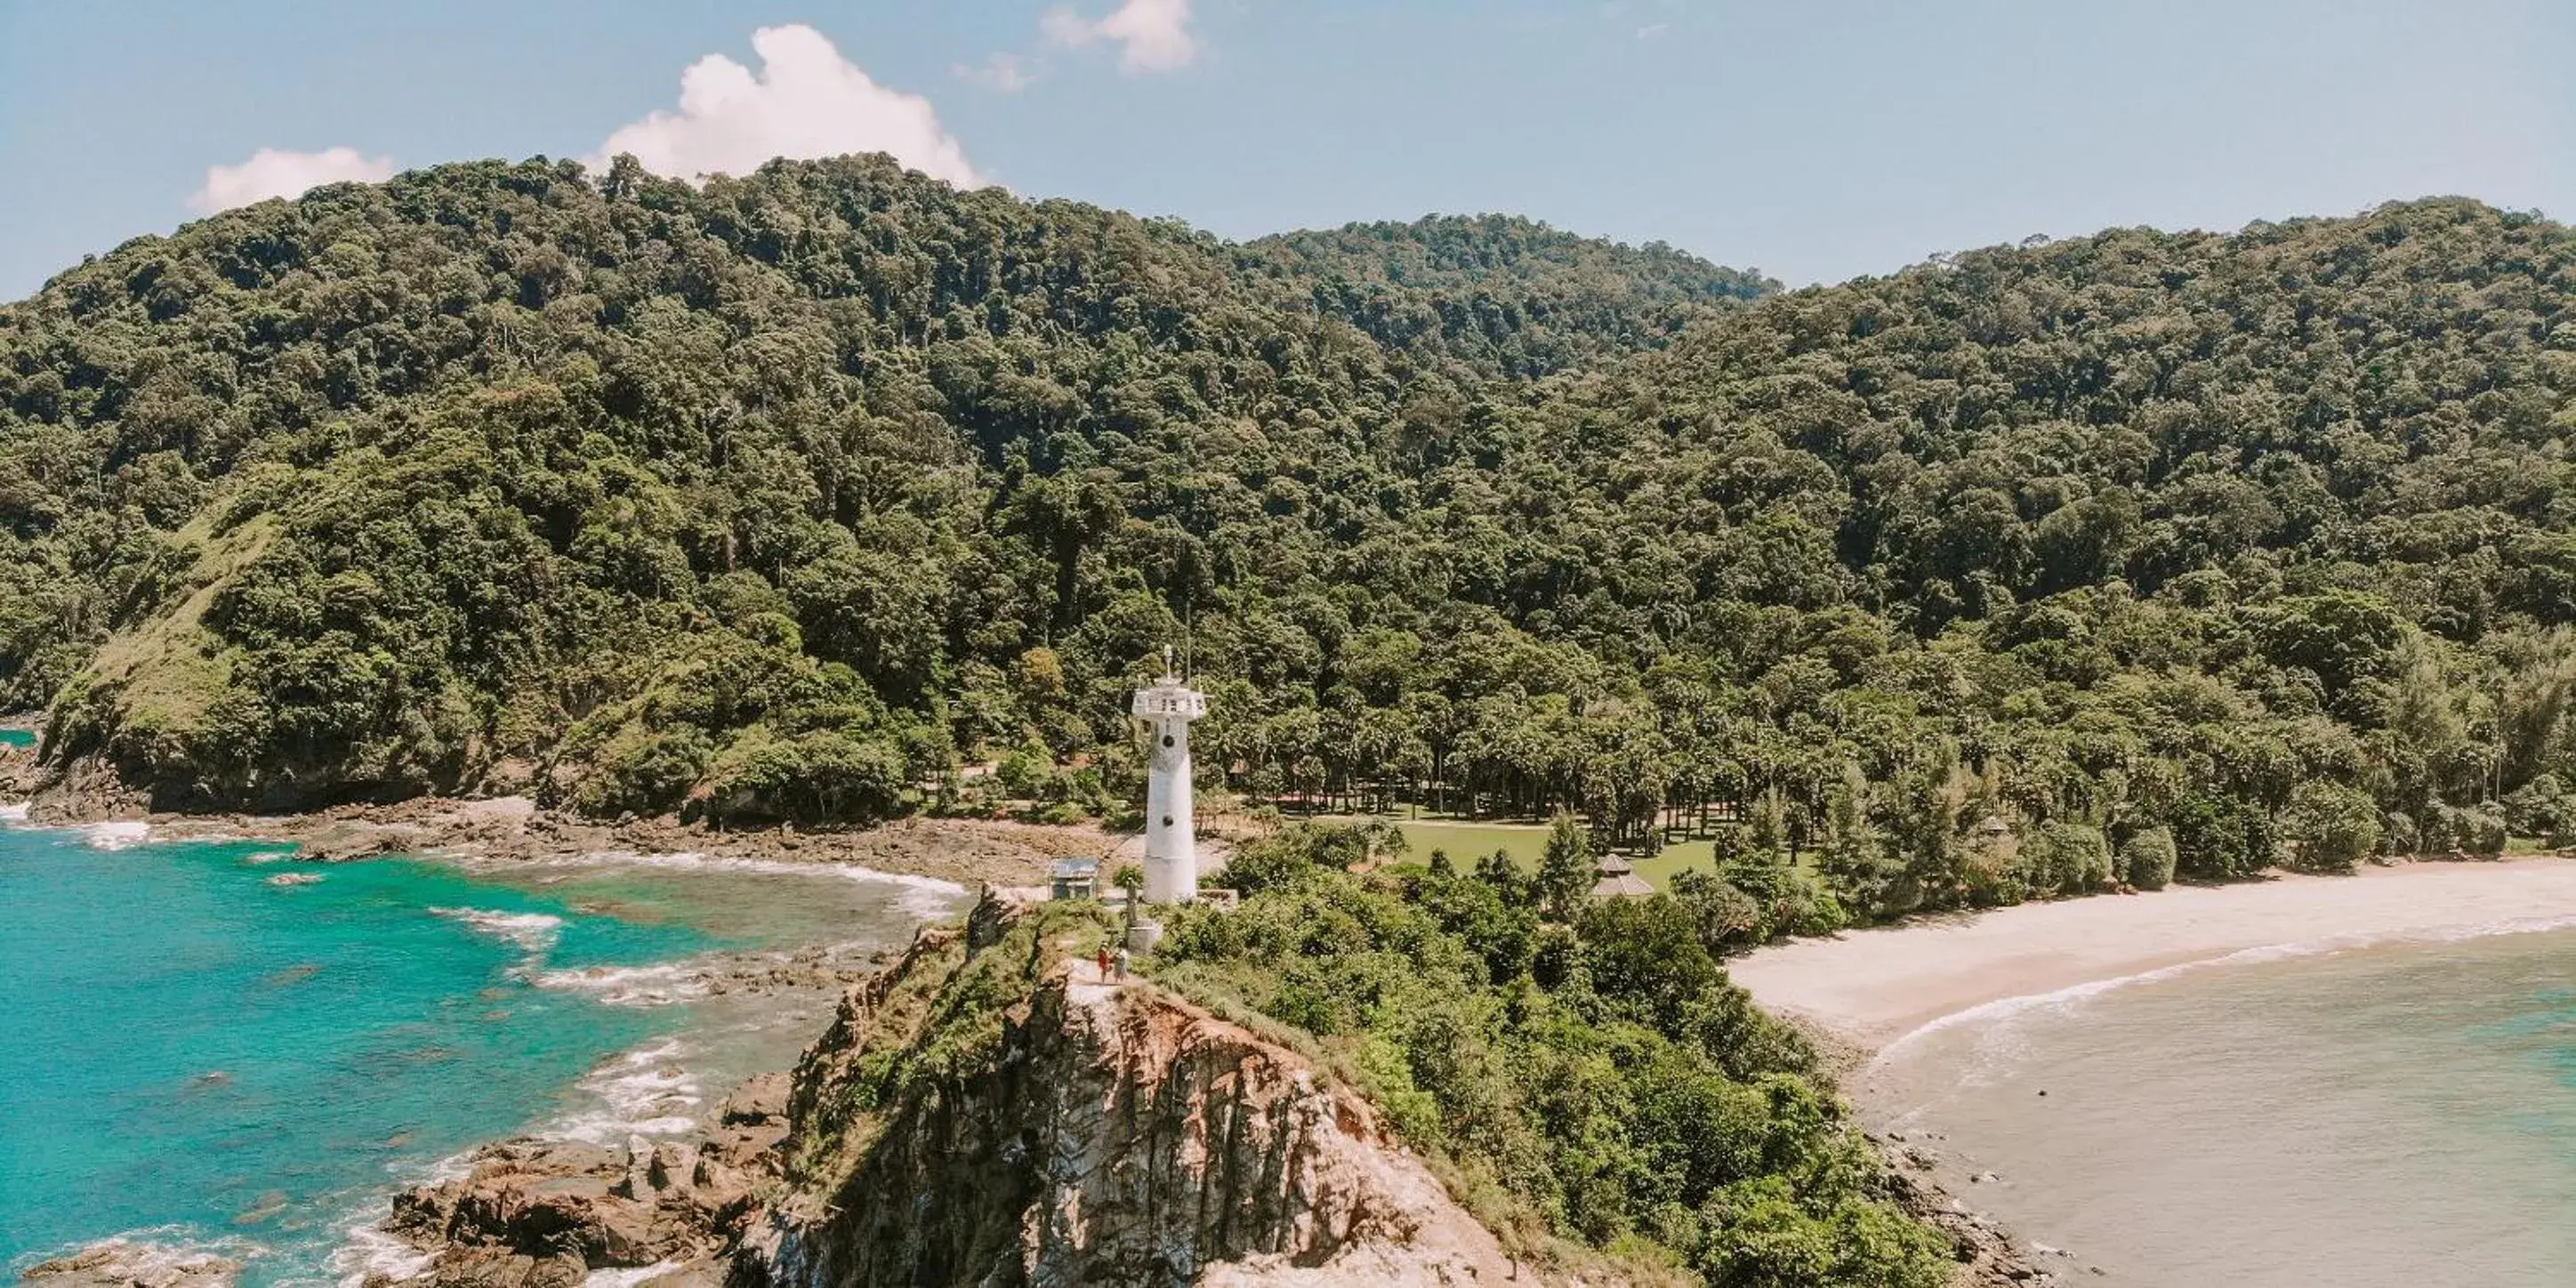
x,y
1102,1135
1987,1255
119,1263
343,840
758,1102
545,1214
501,1268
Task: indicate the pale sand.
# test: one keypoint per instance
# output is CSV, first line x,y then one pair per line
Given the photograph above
x,y
1872,987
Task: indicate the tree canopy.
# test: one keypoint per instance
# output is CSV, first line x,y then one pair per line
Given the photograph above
x,y
783,497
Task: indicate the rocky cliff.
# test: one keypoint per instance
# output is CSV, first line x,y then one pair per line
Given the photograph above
x,y
989,1112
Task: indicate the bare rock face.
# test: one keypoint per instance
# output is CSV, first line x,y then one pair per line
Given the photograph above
x,y
544,1214
118,1263
1113,1135
981,1113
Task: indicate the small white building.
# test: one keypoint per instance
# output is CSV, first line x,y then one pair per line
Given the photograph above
x,y
1075,878
1171,847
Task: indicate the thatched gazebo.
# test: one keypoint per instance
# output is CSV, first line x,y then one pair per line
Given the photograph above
x,y
1618,880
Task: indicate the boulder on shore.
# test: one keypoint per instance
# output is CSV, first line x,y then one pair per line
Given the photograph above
x,y
545,1214
120,1263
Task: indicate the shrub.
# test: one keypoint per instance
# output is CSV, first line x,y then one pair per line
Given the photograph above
x,y
1729,920
2543,808
2147,860
1025,772
2065,858
2400,837
2476,830
2334,826
1812,908
2221,837
822,777
645,772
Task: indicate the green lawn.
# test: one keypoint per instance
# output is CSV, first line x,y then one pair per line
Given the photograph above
x,y
1658,871
1467,842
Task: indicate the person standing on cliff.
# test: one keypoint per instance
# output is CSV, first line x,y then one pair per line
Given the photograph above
x,y
1122,963
1104,963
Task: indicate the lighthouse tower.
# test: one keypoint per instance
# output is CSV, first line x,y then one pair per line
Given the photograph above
x,y
1171,852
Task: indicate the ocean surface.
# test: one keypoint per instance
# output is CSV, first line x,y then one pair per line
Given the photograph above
x,y
196,1054
2396,1116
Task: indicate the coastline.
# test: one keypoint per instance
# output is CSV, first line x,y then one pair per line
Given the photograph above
x,y
1864,996
1860,994
958,854
657,1093
1872,989
955,854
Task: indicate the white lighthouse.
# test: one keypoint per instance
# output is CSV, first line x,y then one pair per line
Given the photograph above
x,y
1171,850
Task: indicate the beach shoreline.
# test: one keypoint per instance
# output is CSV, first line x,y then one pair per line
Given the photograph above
x,y
1864,997
1869,990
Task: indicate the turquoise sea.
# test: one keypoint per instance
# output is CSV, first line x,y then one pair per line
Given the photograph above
x,y
2392,1116
201,1048
17,737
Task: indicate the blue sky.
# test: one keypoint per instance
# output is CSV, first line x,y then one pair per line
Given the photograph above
x,y
1815,141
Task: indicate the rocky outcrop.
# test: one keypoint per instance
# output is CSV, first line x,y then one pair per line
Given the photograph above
x,y
1987,1254
1088,1133
19,773
119,1263
545,1214
985,1111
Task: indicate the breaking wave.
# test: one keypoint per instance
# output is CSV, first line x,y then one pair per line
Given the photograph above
x,y
534,932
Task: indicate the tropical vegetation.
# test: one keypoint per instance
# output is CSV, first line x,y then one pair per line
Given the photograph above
x,y
798,496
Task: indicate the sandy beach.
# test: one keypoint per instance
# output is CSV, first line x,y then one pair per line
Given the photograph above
x,y
1873,987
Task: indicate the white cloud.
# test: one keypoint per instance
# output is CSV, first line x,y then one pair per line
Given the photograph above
x,y
806,101
1153,35
1002,73
277,172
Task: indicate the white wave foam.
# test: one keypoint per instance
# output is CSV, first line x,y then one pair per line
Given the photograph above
x,y
268,856
369,1252
2003,1011
923,896
120,835
643,1092
628,985
533,931
13,811
454,1167
627,1278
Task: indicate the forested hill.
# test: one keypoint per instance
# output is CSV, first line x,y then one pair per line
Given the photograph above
x,y
1518,296
785,497
788,484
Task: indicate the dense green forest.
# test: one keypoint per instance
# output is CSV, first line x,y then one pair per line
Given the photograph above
x,y
2019,572
773,499
1582,1067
